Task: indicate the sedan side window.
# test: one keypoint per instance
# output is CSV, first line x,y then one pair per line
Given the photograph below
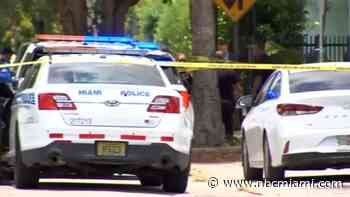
x,y
274,90
260,98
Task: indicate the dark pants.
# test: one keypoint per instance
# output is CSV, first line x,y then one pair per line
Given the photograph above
x,y
227,117
5,115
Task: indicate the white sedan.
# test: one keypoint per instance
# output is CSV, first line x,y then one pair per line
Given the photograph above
x,y
300,120
100,115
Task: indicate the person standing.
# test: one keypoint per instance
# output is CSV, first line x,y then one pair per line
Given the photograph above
x,y
6,54
229,86
259,56
7,93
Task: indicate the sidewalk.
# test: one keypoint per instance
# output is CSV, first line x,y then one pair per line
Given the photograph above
x,y
216,154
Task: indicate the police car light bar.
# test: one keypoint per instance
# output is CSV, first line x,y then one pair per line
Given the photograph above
x,y
108,39
48,37
147,45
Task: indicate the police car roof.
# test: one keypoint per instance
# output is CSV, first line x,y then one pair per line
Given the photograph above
x,y
102,58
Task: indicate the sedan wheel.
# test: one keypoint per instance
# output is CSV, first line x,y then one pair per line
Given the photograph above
x,y
270,172
249,172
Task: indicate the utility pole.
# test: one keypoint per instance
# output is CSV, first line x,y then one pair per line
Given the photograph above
x,y
323,14
235,40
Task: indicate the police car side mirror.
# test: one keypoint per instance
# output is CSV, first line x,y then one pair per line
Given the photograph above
x,y
15,84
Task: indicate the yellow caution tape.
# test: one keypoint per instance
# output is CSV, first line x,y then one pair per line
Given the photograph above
x,y
19,64
235,66
245,66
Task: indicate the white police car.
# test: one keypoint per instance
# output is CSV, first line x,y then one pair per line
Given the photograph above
x,y
68,44
100,115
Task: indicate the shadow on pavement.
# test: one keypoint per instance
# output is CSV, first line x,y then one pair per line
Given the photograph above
x,y
115,184
99,187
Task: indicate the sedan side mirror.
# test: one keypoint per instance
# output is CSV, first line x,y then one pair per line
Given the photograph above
x,y
244,102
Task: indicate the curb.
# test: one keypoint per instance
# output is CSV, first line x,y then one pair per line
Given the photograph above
x,y
216,154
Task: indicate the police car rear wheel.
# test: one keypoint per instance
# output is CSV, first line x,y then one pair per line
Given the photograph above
x,y
150,180
24,177
176,181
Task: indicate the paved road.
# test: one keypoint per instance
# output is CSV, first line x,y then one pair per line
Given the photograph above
x,y
198,185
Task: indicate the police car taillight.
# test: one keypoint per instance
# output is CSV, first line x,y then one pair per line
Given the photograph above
x,y
165,104
55,101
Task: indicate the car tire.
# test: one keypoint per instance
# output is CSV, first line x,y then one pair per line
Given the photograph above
x,y
6,175
150,181
25,178
270,172
249,172
2,176
176,181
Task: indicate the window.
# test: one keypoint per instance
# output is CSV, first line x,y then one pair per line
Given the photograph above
x,y
21,52
24,68
273,83
172,75
276,85
30,77
310,81
67,73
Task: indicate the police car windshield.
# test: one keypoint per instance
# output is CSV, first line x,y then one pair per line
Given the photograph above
x,y
105,73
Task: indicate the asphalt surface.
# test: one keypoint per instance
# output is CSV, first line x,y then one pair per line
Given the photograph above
x,y
198,186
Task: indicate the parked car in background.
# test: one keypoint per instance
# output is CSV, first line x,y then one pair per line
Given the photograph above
x,y
300,120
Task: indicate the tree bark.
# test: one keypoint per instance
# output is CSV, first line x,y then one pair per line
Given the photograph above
x,y
114,16
209,128
73,16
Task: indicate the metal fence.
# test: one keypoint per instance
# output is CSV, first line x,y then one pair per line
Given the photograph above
x,y
334,48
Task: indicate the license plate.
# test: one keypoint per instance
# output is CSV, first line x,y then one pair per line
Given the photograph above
x,y
343,140
111,149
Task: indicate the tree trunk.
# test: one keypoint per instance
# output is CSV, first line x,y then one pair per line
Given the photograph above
x,y
209,128
114,16
73,16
